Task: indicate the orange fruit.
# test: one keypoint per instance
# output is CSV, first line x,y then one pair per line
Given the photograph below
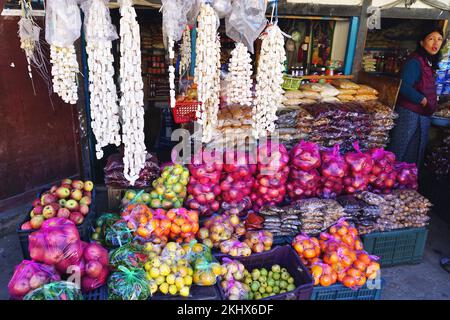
x,y
341,276
171,214
353,232
358,264
143,232
326,280
186,228
360,281
332,258
298,247
348,239
315,241
349,281
175,229
358,245
333,230
195,227
317,250
342,231
334,276
193,215
309,253
354,272
316,281
364,257
316,271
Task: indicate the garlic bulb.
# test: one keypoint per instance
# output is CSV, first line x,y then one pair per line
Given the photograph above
x,y
171,73
185,51
131,87
269,93
64,72
103,93
207,70
240,87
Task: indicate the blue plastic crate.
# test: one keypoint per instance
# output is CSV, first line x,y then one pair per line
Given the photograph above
x,y
340,292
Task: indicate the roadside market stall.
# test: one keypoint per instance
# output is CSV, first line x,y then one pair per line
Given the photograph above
x,y
310,206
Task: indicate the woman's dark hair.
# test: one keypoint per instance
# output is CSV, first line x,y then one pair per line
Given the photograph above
x,y
426,30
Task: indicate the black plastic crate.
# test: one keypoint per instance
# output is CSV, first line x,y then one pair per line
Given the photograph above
x,y
287,258
84,229
97,294
196,293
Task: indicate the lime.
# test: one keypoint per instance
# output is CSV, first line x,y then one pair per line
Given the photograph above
x,y
264,272
276,276
290,287
276,268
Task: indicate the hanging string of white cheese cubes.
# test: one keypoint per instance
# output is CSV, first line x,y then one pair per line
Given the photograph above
x,y
132,99
62,29
207,70
103,92
185,51
240,77
171,73
64,72
269,77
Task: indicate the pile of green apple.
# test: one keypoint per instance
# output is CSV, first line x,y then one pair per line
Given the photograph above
x,y
169,190
71,200
264,283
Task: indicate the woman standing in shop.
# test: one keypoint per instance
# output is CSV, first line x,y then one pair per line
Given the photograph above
x,y
417,100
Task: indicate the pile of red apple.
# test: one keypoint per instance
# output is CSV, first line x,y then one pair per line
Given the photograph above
x,y
272,174
70,200
203,187
237,181
304,177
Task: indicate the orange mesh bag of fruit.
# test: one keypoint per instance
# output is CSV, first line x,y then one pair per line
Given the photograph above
x,y
307,248
184,224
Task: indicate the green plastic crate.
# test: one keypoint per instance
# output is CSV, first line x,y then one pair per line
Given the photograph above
x,y
404,246
340,292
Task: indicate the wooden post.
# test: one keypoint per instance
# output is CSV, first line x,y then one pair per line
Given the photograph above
x,y
362,34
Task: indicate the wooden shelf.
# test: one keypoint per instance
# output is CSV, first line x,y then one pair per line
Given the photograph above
x,y
323,77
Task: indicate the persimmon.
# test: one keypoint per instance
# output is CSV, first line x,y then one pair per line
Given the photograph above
x,y
348,240
341,276
326,280
353,232
315,241
361,281
175,229
171,214
364,257
331,258
143,232
317,250
316,270
299,248
354,272
334,276
186,228
309,253
358,245
179,221
349,281
342,231
358,264
195,228
333,230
